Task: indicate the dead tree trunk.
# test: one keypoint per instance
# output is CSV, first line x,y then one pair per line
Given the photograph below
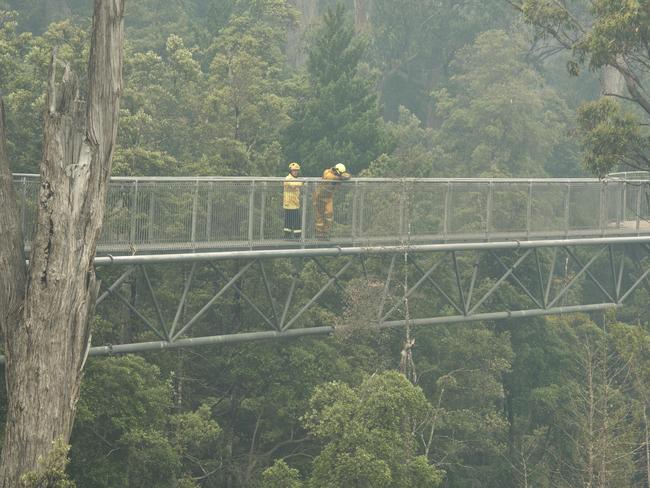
x,y
45,311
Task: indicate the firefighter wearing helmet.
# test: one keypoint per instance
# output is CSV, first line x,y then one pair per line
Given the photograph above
x,y
291,203
323,199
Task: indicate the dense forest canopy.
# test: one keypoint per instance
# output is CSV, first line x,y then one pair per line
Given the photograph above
x,y
241,87
394,88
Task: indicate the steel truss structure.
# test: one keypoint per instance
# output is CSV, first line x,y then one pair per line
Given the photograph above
x,y
440,283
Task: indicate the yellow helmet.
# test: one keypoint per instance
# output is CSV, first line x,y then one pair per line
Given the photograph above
x,y
340,168
294,166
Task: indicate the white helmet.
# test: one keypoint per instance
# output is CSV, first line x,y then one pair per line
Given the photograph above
x,y
340,168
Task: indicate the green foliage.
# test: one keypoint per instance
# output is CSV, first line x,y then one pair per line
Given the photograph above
x,y
611,136
149,23
123,400
604,34
209,110
413,43
461,370
339,121
415,154
498,117
369,433
247,89
51,472
208,91
280,475
150,459
127,434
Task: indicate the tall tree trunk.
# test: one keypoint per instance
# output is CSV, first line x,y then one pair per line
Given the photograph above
x,y
308,9
647,444
12,254
612,82
362,15
47,324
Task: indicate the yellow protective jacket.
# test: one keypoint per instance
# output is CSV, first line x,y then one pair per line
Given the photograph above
x,y
325,190
291,197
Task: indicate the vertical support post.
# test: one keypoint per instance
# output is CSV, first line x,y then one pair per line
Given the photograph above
x,y
262,211
195,205
488,212
251,213
134,211
567,206
529,209
402,202
150,235
638,208
602,217
445,219
361,210
23,211
355,210
622,205
208,216
303,221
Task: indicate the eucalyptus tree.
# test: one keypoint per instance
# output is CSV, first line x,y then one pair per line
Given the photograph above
x,y
280,475
461,370
413,43
498,116
249,93
127,432
607,36
161,111
25,61
338,119
369,435
45,310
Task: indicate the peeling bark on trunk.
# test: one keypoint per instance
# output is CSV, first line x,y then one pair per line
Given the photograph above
x,y
46,342
12,256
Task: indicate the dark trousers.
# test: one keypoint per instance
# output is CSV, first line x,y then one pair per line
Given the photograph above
x,y
292,222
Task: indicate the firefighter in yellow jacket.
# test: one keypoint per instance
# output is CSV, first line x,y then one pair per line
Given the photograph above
x,y
323,199
291,203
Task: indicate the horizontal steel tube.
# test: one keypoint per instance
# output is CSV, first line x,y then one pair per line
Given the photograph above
x,y
325,330
351,251
210,340
452,319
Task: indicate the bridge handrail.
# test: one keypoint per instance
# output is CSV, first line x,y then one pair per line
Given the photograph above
x,y
611,176
185,213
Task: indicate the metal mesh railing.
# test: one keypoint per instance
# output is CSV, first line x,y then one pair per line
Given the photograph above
x,y
168,214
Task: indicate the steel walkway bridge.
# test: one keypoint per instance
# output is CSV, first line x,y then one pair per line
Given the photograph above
x,y
407,251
